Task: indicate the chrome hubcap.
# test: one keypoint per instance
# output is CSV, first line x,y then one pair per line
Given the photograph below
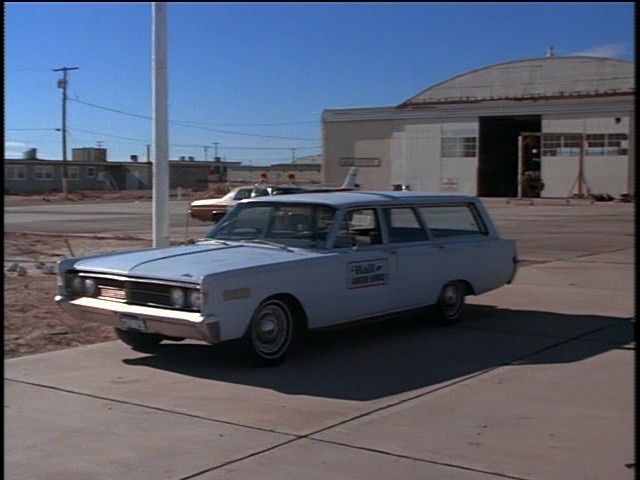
x,y
451,298
271,332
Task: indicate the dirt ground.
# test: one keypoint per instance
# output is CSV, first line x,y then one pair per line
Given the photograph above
x,y
33,323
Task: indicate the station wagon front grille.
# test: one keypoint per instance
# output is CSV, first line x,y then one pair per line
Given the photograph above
x,y
149,294
133,292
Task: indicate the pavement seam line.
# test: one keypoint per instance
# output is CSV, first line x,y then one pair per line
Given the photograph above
x,y
237,460
417,459
577,338
614,323
150,407
601,253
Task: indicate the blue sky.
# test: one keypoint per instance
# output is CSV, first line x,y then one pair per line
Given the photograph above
x,y
255,77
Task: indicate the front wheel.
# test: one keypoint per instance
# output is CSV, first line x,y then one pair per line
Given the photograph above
x,y
138,341
271,333
450,303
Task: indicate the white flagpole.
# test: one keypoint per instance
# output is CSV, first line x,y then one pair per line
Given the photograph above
x,y
161,237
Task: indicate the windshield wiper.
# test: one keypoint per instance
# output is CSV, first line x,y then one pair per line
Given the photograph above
x,y
266,242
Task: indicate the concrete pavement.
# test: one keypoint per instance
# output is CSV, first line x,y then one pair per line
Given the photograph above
x,y
536,383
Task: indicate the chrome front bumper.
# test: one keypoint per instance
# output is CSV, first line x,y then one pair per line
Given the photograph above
x,y
172,323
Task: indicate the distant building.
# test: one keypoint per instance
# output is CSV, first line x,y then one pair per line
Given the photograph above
x,y
299,173
567,121
33,175
89,154
309,160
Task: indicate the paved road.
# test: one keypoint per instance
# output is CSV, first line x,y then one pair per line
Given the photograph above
x,y
536,383
122,218
541,229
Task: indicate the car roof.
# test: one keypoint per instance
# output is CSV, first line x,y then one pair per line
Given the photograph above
x,y
339,199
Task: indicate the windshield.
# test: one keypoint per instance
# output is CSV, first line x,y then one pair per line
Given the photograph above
x,y
291,225
238,194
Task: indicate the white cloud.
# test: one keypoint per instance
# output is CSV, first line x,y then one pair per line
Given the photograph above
x,y
608,50
9,144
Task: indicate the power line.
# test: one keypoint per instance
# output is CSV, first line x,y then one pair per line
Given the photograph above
x,y
271,148
251,124
108,135
191,125
28,69
187,145
110,109
195,124
28,129
245,134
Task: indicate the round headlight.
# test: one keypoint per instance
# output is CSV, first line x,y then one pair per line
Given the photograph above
x,y
177,297
90,287
77,285
195,299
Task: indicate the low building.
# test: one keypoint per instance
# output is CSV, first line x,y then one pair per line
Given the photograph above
x,y
298,173
41,176
89,154
34,175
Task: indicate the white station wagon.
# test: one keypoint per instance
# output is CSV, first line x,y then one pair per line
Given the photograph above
x,y
275,267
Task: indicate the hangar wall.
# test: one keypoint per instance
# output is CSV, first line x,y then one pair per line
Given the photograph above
x,y
417,159
364,144
463,135
604,170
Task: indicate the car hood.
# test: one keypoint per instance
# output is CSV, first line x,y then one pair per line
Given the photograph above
x,y
212,201
190,263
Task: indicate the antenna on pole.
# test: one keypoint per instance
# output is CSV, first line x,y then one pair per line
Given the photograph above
x,y
62,83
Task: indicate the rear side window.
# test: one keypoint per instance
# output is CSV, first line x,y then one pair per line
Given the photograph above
x,y
404,226
446,221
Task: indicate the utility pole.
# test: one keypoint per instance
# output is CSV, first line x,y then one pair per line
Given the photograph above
x,y
206,149
62,83
215,151
293,155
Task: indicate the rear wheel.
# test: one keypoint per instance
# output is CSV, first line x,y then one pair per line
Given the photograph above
x,y
141,342
271,332
450,303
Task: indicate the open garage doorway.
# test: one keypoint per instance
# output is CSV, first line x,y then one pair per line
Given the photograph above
x,y
498,153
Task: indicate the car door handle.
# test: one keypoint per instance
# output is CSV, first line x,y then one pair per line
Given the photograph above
x,y
392,251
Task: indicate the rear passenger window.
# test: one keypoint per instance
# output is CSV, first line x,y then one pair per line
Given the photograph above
x,y
452,220
404,226
360,227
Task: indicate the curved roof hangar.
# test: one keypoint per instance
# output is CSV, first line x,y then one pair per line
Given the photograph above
x,y
548,77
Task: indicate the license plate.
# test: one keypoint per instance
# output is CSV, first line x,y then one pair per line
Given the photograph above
x,y
130,322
